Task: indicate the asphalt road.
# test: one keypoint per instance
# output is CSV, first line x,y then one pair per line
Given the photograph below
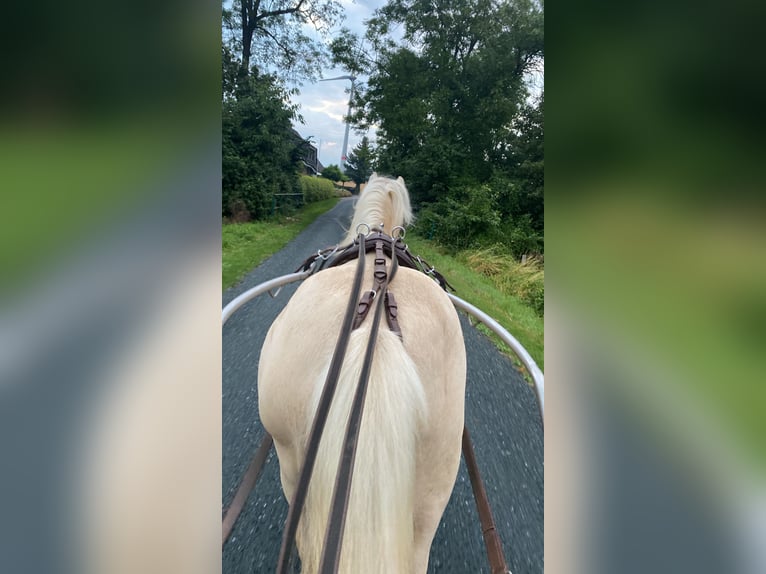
x,y
501,413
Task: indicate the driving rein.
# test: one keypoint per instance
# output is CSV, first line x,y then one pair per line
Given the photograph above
x,y
357,310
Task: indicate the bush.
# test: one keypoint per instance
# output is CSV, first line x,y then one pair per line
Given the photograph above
x,y
467,219
333,173
316,188
522,237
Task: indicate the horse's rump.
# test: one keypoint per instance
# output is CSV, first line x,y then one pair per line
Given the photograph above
x,y
409,444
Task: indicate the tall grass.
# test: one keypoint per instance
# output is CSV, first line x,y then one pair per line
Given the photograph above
x,y
483,284
523,280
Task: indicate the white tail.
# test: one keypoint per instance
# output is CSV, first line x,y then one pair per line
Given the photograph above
x,y
378,535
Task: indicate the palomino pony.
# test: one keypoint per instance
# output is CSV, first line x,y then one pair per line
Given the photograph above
x,y
410,439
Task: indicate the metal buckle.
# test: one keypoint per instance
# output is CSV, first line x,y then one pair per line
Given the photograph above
x,y
330,254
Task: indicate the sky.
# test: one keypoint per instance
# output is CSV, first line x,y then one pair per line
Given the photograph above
x,y
323,104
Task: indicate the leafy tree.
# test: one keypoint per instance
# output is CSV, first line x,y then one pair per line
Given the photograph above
x,y
448,96
260,151
259,155
272,34
524,167
334,173
359,165
448,93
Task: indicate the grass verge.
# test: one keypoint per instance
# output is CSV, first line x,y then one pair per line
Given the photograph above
x,y
517,317
246,245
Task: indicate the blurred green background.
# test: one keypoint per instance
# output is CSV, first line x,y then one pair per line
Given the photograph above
x,y
655,193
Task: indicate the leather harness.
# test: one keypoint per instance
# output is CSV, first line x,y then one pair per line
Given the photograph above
x,y
356,312
383,245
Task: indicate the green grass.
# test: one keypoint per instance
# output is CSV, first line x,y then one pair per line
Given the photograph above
x,y
512,313
246,245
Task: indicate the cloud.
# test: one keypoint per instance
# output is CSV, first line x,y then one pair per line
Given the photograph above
x,y
332,109
323,105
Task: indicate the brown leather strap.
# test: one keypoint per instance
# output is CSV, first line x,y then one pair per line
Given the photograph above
x,y
338,507
392,311
491,538
362,308
323,409
380,266
393,247
246,487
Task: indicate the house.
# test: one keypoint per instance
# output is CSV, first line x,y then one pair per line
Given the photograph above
x,y
308,155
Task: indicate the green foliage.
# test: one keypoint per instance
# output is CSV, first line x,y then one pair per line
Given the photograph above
x,y
449,96
466,219
316,188
259,155
359,166
480,288
523,280
521,160
333,173
245,245
273,35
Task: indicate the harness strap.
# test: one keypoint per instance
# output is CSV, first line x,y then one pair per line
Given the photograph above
x,y
337,519
391,313
323,409
393,247
380,266
362,308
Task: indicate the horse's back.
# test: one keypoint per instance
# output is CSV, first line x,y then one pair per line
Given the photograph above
x,y
301,341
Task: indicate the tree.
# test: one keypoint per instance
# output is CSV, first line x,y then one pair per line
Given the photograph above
x,y
332,172
359,165
259,153
446,95
448,92
273,32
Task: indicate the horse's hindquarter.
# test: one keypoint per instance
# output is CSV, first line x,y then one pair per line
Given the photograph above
x,y
434,340
303,337
297,352
297,348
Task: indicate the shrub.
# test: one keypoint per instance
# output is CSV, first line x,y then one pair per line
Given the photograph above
x,y
522,238
316,188
333,173
467,219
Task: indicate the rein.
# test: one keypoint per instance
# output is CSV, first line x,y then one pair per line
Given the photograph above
x,y
323,409
356,312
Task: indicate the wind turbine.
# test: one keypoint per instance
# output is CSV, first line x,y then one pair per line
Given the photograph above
x,y
348,125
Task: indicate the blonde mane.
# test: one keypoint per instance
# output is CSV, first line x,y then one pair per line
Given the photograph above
x,y
383,202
